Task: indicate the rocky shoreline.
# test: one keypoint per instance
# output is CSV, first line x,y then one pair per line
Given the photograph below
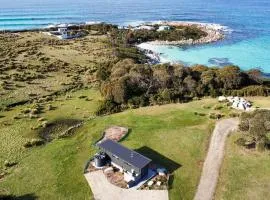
x,y
215,32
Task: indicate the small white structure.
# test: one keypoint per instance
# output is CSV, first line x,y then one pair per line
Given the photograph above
x,y
237,102
145,27
161,171
164,28
62,29
159,183
230,99
222,99
108,170
63,33
150,183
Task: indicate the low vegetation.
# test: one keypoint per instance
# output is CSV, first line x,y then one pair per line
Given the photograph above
x,y
174,34
34,66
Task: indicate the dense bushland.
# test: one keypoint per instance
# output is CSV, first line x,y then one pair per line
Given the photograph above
x,y
128,84
256,128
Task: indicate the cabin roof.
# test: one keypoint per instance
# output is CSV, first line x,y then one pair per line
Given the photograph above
x,y
131,157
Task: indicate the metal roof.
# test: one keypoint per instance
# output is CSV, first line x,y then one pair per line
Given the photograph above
x,y
132,157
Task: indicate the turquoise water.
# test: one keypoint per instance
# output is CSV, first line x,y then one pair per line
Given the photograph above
x,y
250,53
247,46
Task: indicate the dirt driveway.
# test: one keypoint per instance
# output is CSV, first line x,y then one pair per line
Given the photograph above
x,y
102,189
212,164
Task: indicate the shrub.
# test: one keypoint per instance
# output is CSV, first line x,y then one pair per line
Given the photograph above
x,y
32,116
215,115
34,142
108,107
206,107
218,107
267,125
34,111
199,114
16,117
261,145
41,119
240,142
44,124
26,111
245,142
234,114
9,163
82,97
50,107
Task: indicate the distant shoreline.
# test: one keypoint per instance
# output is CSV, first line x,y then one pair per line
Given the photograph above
x,y
215,32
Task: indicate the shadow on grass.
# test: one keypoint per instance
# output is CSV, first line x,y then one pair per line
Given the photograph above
x,y
125,136
159,159
23,197
162,161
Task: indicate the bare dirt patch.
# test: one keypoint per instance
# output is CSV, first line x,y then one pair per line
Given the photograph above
x,y
115,133
116,178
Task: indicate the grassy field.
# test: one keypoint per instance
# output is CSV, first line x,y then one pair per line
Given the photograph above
x,y
245,173
54,171
33,64
16,129
262,102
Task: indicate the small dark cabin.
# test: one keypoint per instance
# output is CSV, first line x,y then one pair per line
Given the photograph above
x,y
134,165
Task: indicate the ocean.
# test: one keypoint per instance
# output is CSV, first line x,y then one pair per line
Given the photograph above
x,y
247,44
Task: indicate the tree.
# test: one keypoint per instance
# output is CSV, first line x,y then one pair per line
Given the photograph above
x,y
130,38
191,85
255,75
208,80
230,77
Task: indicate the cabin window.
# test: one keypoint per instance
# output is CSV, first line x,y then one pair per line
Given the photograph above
x,y
127,164
115,156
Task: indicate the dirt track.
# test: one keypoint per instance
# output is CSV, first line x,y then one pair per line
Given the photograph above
x,y
212,164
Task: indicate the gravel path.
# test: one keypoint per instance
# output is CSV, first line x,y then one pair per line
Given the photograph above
x,y
212,164
102,189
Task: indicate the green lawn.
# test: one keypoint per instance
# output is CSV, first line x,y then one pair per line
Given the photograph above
x,y
55,171
245,174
